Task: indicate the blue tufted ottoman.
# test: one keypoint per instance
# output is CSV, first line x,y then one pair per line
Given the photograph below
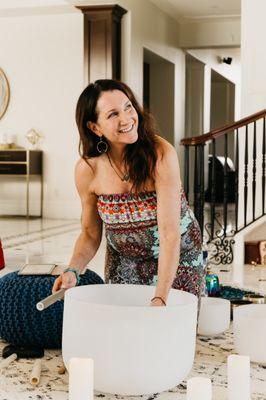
x,y
21,323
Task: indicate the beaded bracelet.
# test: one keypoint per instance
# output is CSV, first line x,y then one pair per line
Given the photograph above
x,y
158,297
75,271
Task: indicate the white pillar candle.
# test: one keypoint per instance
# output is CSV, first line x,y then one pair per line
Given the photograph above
x,y
199,389
238,374
81,379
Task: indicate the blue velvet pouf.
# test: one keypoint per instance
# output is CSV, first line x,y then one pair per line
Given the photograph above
x,y
21,324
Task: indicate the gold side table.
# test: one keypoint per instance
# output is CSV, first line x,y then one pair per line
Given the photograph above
x,y
22,162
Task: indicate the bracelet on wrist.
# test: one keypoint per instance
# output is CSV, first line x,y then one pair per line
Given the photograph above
x,y
160,298
75,271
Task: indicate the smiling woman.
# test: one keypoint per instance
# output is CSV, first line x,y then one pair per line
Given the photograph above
x,y
110,119
4,93
128,179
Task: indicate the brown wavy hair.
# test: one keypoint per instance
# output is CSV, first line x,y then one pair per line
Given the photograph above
x,y
139,157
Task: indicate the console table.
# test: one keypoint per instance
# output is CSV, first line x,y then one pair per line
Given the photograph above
x,y
22,162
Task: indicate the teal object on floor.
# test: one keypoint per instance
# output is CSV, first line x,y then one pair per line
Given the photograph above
x,y
21,324
212,285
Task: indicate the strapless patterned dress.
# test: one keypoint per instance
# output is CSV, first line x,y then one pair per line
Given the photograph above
x,y
133,241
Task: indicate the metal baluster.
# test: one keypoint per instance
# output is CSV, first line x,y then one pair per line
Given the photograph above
x,y
195,203
246,177
199,185
254,170
236,180
202,188
225,183
263,166
213,187
186,172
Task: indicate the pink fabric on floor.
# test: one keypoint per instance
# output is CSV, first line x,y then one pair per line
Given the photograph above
x,y
2,260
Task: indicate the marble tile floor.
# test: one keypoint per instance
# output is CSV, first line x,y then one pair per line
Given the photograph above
x,y
210,361
52,241
42,241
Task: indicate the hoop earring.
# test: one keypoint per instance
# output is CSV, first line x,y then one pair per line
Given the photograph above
x,y
102,146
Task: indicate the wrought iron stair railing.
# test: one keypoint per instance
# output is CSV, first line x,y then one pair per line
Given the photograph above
x,y
248,186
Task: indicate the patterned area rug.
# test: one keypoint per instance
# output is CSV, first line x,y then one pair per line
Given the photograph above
x,y
210,361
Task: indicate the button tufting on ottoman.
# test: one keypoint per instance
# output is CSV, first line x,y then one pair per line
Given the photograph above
x,y
21,323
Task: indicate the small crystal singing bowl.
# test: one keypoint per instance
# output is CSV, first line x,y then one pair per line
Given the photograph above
x,y
236,303
255,298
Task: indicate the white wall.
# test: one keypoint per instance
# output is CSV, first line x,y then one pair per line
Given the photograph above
x,y
208,32
253,56
155,31
210,57
43,59
146,26
256,231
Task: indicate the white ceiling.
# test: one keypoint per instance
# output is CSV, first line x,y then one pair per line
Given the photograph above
x,y
199,9
178,9
30,3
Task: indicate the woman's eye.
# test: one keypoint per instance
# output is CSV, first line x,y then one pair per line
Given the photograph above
x,y
129,106
112,114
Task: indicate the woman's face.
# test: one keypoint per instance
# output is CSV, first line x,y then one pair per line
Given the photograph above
x,y
117,118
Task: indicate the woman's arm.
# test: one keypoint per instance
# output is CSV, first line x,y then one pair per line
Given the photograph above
x,y
168,186
89,239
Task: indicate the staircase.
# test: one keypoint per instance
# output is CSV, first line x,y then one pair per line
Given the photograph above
x,y
232,201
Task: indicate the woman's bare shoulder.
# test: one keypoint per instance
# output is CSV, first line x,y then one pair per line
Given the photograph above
x,y
167,166
165,149
85,172
88,166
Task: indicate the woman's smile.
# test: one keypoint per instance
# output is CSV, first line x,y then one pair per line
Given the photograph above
x,y
127,129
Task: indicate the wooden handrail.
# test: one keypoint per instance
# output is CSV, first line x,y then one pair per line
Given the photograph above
x,y
215,133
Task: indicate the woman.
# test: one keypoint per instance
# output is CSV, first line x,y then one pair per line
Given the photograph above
x,y
128,177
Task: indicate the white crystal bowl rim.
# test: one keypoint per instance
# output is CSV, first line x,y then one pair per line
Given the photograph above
x,y
251,311
76,294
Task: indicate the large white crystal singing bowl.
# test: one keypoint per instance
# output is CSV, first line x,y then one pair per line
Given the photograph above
x,y
137,349
214,316
249,326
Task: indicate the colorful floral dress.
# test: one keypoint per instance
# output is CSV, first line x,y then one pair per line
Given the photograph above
x,y
133,241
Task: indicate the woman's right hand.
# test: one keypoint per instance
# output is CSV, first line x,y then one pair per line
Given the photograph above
x,y
66,280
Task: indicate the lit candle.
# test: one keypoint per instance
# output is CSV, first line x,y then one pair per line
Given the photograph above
x,y
238,374
199,389
81,379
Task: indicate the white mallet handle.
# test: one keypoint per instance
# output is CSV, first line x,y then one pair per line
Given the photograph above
x,y
48,301
36,373
8,360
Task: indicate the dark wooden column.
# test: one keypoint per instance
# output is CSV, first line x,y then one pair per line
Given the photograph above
x,y
102,41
